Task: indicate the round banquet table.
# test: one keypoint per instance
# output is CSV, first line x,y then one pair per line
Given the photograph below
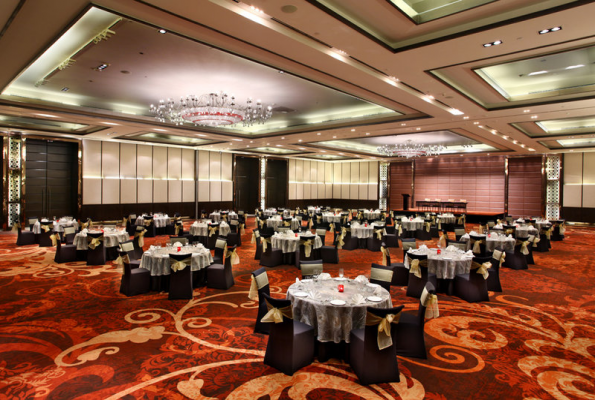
x,y
330,217
523,232
447,218
446,265
202,229
288,242
372,214
157,259
363,231
159,221
110,239
270,211
58,225
276,222
495,242
412,225
333,323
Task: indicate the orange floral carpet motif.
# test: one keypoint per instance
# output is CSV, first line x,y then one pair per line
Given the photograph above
x,y
67,333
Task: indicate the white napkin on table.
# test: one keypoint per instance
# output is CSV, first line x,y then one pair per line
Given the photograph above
x,y
324,276
465,236
362,279
358,299
423,248
469,253
452,248
473,233
177,244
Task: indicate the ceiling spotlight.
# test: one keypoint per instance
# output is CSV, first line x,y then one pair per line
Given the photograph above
x,y
496,43
162,31
319,134
65,89
353,130
101,67
455,111
367,133
554,29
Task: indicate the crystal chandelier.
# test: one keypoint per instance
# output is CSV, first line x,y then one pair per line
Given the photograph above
x,y
213,109
410,149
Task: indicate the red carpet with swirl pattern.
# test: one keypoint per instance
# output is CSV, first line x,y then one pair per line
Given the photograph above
x,y
67,333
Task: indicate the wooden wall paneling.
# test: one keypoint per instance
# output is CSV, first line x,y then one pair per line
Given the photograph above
x,y
144,173
337,179
188,182
373,170
204,173
400,180
128,173
291,177
110,168
328,180
525,186
92,172
174,174
159,175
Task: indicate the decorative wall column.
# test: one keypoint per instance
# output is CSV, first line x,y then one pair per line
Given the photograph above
x,y
14,178
553,168
383,187
263,170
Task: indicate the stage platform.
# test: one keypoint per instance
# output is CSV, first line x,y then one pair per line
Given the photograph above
x,y
472,216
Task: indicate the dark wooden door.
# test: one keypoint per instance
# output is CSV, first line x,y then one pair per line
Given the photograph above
x,y
276,183
51,178
247,179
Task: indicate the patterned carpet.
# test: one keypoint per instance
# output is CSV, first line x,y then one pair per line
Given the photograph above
x,y
67,333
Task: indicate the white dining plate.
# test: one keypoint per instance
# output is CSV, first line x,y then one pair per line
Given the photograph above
x,y
374,299
337,302
340,279
306,280
300,294
374,285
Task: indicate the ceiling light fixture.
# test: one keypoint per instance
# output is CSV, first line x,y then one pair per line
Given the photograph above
x,y
162,31
554,29
496,43
213,109
455,111
409,149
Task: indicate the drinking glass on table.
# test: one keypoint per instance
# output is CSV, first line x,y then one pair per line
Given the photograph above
x,y
340,272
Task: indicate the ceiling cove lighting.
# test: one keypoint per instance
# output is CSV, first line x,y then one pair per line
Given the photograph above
x,y
213,109
409,149
496,43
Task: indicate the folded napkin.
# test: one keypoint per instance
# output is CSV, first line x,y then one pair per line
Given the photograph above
x,y
324,276
362,279
473,233
152,247
452,248
465,236
469,253
498,226
358,299
423,248
509,236
177,244
297,280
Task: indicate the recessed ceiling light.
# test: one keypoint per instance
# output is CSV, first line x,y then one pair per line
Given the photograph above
x,y
101,67
47,115
238,140
353,130
299,140
268,144
476,123
554,29
575,66
301,148
110,123
490,44
198,134
403,124
417,129
279,145
163,130
323,151
282,137
335,136
341,154
162,31
537,73
466,117
252,141
318,133
526,111
533,116
367,133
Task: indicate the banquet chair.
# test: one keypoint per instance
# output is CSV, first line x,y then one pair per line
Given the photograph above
x,y
373,242
220,275
479,250
351,243
322,233
180,278
138,241
400,273
32,221
291,343
558,231
96,255
494,279
311,268
407,244
544,244
256,238
381,275
131,224
300,252
135,280
416,284
212,235
69,234
424,232
64,253
410,329
260,281
459,232
25,237
473,287
516,259
532,243
330,254
220,250
270,257
234,237
177,239
150,226
127,248
370,363
44,237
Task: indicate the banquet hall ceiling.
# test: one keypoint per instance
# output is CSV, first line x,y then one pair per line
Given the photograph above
x,y
342,76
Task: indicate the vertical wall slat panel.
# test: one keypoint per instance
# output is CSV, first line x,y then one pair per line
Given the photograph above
x,y
110,164
159,174
174,174
91,172
128,173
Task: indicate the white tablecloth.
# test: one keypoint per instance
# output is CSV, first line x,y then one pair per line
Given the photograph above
x,y
447,264
372,214
363,231
288,243
157,260
330,217
109,239
202,229
333,323
270,211
276,222
523,232
414,225
447,218
492,243
160,222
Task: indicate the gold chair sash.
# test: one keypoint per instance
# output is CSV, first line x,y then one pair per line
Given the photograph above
x,y
439,224
430,302
399,229
177,229
415,264
535,241
384,275
562,228
509,231
148,222
307,247
477,246
548,233
257,283
264,242
341,243
141,237
332,227
213,230
500,256
524,245
254,237
310,223
379,233
384,337
46,228
461,220
242,228
287,223
276,314
94,242
428,225
16,226
180,265
54,237
235,259
442,240
482,269
124,221
385,255
121,260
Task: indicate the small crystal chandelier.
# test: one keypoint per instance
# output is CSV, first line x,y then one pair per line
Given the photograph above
x,y
410,149
213,109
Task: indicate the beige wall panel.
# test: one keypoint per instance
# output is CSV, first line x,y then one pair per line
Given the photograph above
x,y
345,191
299,170
372,191
91,191
345,174
188,192
226,166
111,191
174,163
144,162
328,172
188,164
291,170
307,194
145,190
313,171
204,165
354,191
329,191
299,191
160,191
91,159
314,191
363,172
363,191
159,162
588,169
306,171
337,170
215,165
174,191
572,196
128,173
589,196
110,160
321,191
226,191
292,191
204,191
573,168
354,172
215,191
373,167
